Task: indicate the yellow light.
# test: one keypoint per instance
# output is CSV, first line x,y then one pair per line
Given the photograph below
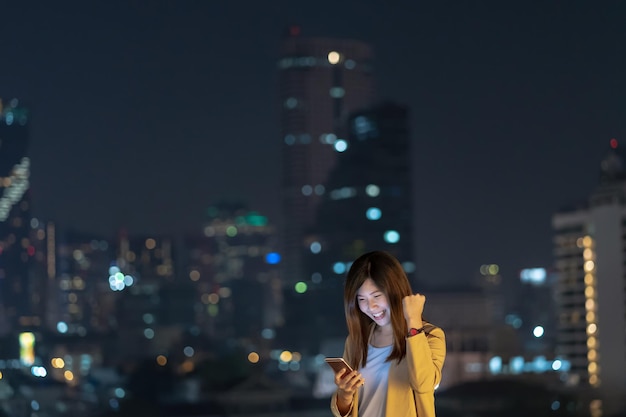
x,y
593,367
587,241
286,356
592,328
161,360
587,254
592,355
253,357
194,275
589,279
590,305
68,375
591,317
187,366
589,292
333,57
150,243
589,266
592,342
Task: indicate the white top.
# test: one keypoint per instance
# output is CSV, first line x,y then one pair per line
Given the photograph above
x,y
373,395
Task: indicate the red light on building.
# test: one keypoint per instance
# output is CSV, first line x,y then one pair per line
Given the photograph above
x,y
294,30
614,143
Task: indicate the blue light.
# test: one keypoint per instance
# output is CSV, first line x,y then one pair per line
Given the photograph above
x,y
391,236
373,213
341,145
339,268
272,258
315,247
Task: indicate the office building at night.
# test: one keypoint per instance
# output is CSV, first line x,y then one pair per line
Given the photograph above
x,y
234,268
321,82
19,291
367,205
589,242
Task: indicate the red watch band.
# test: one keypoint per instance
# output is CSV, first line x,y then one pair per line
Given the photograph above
x,y
413,331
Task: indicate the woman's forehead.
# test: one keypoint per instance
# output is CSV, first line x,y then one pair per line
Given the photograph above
x,y
368,287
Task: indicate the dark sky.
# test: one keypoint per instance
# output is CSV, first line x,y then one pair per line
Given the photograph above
x,y
146,112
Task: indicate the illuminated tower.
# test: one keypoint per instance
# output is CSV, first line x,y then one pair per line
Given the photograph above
x,y
321,82
19,292
367,205
590,259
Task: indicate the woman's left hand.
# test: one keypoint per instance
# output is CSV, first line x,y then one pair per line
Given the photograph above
x,y
413,307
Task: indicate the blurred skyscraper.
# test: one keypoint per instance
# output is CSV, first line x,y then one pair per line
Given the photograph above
x,y
590,259
321,81
19,291
366,206
79,298
234,268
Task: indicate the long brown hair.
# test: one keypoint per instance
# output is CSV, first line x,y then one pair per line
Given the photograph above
x,y
389,276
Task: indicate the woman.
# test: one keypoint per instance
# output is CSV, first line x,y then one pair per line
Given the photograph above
x,y
396,356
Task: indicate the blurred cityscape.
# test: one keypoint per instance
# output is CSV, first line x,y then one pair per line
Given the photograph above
x,y
236,319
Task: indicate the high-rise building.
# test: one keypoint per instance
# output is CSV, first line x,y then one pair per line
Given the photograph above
x,y
590,261
19,291
366,206
321,81
80,299
234,268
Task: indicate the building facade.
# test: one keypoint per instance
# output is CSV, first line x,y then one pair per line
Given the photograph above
x,y
366,206
321,81
590,259
19,291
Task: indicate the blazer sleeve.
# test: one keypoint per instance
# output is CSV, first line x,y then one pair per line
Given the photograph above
x,y
425,354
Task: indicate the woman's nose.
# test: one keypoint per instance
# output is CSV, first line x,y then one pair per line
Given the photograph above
x,y
372,304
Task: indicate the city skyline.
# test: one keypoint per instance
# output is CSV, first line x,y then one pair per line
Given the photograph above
x,y
512,108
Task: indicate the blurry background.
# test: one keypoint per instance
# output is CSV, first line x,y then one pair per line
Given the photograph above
x,y
184,185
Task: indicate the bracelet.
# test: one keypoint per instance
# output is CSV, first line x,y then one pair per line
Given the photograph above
x,y
413,331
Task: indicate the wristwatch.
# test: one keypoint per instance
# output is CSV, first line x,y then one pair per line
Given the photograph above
x,y
413,331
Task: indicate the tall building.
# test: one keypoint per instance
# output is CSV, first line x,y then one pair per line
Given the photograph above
x,y
367,205
321,81
19,291
234,269
589,242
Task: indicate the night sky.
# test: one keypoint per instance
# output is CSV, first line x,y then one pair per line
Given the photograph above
x,y
146,112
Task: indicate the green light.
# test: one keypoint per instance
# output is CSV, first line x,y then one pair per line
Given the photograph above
x,y
255,219
213,310
301,287
231,231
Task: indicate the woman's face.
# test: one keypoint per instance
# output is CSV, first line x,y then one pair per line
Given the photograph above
x,y
373,303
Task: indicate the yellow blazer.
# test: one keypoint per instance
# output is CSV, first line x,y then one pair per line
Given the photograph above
x,y
412,382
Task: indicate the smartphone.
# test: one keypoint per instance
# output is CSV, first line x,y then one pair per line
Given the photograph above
x,y
338,364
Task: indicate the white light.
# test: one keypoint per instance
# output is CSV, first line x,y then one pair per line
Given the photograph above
x,y
538,331
333,57
341,145
372,190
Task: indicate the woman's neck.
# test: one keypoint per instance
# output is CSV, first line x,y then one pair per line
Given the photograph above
x,y
383,336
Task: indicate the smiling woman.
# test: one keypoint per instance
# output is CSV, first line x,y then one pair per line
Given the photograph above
x,y
397,357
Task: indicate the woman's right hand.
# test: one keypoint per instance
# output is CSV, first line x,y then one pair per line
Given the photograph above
x,y
347,383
